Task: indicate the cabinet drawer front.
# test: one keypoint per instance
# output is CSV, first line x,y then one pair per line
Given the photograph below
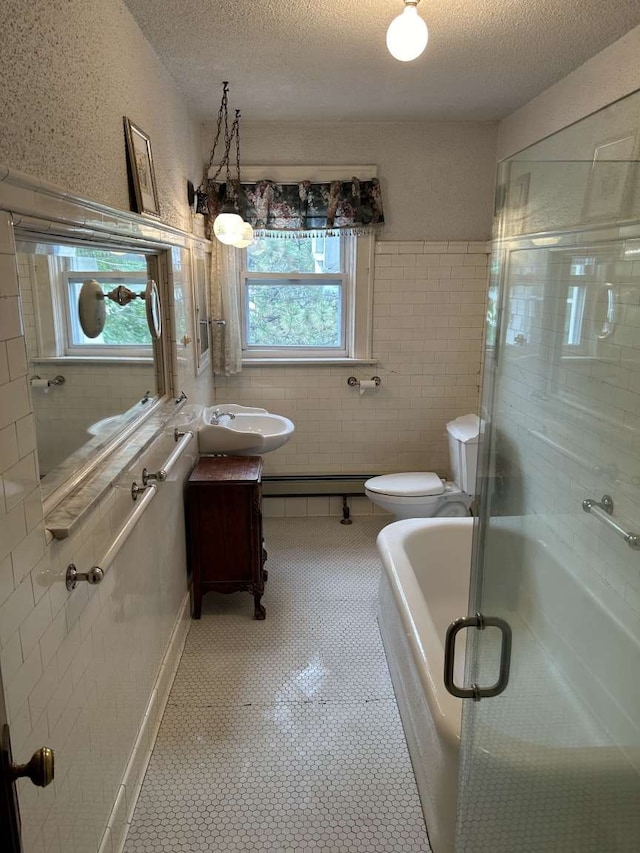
x,y
224,530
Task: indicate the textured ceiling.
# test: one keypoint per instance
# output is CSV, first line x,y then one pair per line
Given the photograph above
x,y
327,59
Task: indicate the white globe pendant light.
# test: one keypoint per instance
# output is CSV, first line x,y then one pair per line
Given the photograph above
x,y
246,236
407,35
228,226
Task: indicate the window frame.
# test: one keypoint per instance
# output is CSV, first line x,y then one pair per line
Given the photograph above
x,y
358,255
294,277
66,279
357,307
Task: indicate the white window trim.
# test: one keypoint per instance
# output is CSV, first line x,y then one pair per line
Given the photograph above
x,y
359,255
118,351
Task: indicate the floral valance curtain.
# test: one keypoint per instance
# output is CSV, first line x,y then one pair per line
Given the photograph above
x,y
279,208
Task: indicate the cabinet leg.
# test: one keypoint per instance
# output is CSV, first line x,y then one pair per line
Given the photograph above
x,y
196,603
259,611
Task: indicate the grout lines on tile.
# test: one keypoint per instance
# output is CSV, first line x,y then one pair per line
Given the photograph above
x,y
284,735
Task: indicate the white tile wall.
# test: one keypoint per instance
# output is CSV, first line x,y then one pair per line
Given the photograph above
x,y
429,308
583,408
566,426
78,668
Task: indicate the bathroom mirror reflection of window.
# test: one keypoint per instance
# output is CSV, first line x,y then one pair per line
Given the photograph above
x,y
200,268
110,378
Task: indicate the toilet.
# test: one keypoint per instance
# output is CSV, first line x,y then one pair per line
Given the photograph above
x,y
420,494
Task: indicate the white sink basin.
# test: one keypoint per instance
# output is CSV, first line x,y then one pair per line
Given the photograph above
x,y
251,432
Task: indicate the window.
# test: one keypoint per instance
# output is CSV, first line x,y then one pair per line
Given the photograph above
x,y
126,326
306,298
126,331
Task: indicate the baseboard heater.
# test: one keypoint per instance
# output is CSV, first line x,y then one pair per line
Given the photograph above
x,y
343,486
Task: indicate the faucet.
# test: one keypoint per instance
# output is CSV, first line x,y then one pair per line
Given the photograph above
x,y
181,398
215,418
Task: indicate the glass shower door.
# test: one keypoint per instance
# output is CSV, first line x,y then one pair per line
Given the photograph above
x,y
553,762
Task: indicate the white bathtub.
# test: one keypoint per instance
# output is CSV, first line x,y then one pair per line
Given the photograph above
x,y
571,662
424,588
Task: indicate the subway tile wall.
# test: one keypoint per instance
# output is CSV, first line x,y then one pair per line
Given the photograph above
x,y
89,394
78,668
566,426
568,404
428,311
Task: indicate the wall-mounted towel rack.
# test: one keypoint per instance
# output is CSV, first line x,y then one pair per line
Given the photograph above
x,y
160,476
183,438
96,572
604,510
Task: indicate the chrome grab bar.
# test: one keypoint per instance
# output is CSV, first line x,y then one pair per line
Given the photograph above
x,y
96,573
161,475
604,510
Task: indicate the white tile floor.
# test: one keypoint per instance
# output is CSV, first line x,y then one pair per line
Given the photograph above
x,y
284,735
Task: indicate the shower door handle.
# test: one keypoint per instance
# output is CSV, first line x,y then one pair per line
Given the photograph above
x,y
480,622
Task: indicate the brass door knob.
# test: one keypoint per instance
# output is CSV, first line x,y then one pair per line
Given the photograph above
x,y
40,769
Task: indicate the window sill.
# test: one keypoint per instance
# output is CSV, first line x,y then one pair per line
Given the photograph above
x,y
306,362
93,359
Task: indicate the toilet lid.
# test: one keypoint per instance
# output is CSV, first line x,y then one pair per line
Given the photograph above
x,y
411,484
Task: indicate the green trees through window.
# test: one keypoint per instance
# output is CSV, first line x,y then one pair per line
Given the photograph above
x,y
294,293
294,314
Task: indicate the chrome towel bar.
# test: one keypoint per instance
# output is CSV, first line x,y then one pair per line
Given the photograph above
x,y
604,510
161,475
96,573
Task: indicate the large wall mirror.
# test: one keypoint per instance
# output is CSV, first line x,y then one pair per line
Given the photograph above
x,y
94,349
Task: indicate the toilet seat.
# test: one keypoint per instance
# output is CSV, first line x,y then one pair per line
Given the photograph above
x,y
412,484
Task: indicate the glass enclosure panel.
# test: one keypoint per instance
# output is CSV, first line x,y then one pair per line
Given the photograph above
x,y
553,763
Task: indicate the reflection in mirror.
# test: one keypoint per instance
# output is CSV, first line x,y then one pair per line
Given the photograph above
x,y
574,314
201,308
111,376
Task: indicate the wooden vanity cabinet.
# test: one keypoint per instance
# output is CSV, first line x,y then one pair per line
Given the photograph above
x,y
224,529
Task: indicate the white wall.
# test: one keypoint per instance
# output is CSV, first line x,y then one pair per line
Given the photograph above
x,y
70,71
429,290
429,307
437,178
611,74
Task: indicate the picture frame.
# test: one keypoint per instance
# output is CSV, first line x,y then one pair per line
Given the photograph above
x,y
141,169
609,185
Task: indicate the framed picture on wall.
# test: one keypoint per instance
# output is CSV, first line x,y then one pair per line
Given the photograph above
x,y
609,185
141,169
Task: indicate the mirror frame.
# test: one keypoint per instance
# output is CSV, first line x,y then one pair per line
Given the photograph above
x,y
159,315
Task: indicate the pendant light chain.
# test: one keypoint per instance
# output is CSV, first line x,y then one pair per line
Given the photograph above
x,y
228,139
222,116
228,225
236,125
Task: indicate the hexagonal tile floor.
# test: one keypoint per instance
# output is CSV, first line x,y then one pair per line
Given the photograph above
x,y
284,735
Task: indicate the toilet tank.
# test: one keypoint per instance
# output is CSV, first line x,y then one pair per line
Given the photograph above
x,y
463,451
